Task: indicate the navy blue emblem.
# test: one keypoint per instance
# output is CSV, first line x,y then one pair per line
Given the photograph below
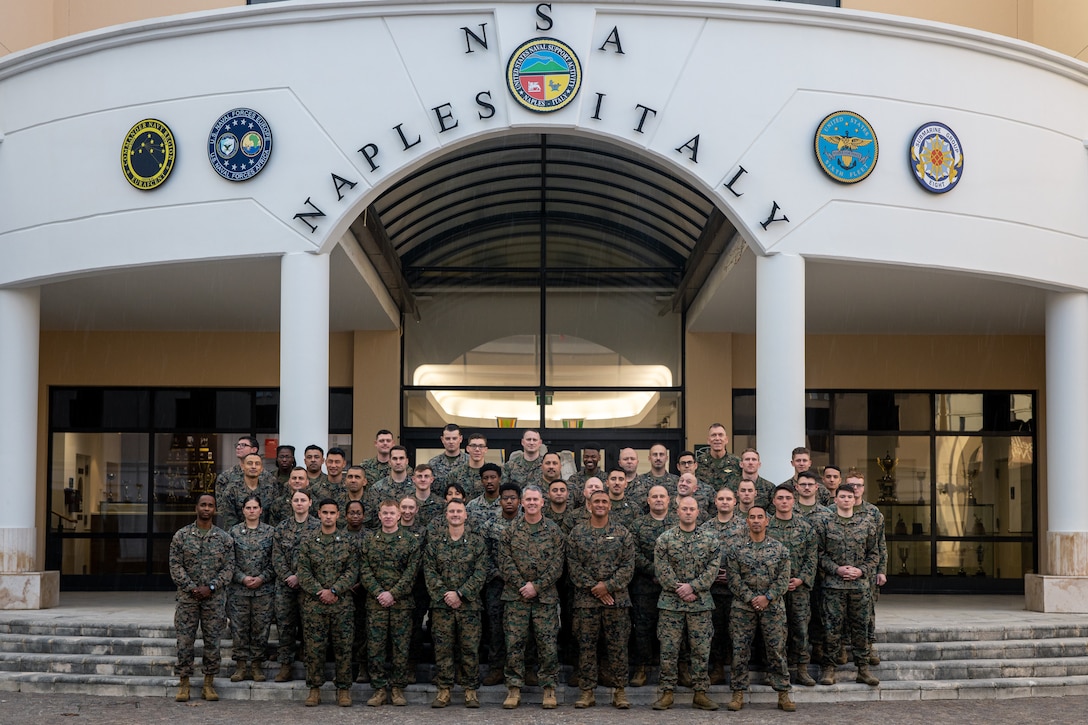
x,y
846,147
240,144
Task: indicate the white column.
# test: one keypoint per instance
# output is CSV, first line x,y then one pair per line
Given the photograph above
x,y
1065,587
304,350
780,361
21,587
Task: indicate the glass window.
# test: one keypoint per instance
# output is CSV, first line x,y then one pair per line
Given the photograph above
x,y
471,409
896,468
881,410
613,409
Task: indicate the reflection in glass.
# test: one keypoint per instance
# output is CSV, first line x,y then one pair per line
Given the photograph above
x,y
905,457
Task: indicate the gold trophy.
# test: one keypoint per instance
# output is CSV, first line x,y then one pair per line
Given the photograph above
x,y
887,482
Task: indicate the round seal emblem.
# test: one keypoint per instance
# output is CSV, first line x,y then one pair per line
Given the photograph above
x,y
846,147
936,157
544,75
148,153
240,144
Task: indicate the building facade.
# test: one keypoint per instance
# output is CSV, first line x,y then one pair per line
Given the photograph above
x,y
618,223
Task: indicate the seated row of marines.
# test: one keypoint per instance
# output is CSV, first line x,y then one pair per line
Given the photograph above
x,y
494,570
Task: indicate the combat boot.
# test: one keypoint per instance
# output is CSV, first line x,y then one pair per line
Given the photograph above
x,y
866,677
256,671
513,698
587,699
364,674
183,690
785,703
471,698
548,702
442,698
874,658
683,674
701,702
494,676
639,678
737,702
241,671
717,674
827,675
284,675
619,699
664,702
377,699
314,698
802,677
396,696
842,659
343,697
208,691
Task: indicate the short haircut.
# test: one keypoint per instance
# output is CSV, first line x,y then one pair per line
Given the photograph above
x,y
800,451
387,502
750,450
551,453
451,427
251,440
715,425
833,467
685,453
299,468
285,448
614,467
477,436
399,448
360,503
423,467
314,447
251,497
327,502
510,486
847,487
532,488
490,467
383,432
357,467
558,480
855,473
252,454
784,487
304,491
808,474
337,451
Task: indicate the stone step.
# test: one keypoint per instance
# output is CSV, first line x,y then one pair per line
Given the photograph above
x,y
987,649
980,633
93,645
641,697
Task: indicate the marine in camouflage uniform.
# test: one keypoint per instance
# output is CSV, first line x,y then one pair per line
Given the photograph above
x,y
467,478
721,647
640,487
251,609
758,573
235,494
432,508
718,472
201,566
799,538
605,556
520,470
867,508
690,557
644,589
531,553
443,466
847,541
460,566
375,470
387,488
285,543
388,564
328,565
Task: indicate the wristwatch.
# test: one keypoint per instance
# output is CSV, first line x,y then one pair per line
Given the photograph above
x,y
770,597
212,587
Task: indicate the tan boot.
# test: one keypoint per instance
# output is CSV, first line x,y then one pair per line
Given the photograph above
x,y
377,699
874,658
513,698
256,671
717,675
343,697
619,699
639,678
842,658
314,698
827,675
664,702
494,676
701,702
396,696
471,698
442,699
803,677
549,702
183,690
866,677
364,674
736,702
241,671
683,674
586,699
208,691
785,703
284,675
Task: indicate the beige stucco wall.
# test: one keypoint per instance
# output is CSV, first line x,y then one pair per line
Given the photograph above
x,y
24,23
377,388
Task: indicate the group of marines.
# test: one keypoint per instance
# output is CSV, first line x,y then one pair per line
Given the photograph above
x,y
694,570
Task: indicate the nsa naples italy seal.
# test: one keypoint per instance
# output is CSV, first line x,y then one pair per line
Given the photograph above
x,y
544,75
148,153
240,144
846,147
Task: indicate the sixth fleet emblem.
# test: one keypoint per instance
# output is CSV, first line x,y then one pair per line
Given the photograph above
x,y
544,75
846,147
240,144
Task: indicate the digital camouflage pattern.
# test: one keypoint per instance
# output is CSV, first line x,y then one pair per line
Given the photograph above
x,y
285,543
644,588
847,541
328,561
799,538
718,472
467,478
456,565
200,558
520,470
234,494
442,466
389,562
251,610
691,557
754,569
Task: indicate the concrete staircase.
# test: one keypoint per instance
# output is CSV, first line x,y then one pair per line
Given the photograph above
x,y
991,661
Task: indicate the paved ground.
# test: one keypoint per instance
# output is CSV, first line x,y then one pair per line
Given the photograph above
x,y
17,708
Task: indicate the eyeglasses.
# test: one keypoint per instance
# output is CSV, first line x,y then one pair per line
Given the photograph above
x,y
244,445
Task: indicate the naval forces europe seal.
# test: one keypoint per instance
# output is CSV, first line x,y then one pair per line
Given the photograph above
x,y
240,144
543,75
